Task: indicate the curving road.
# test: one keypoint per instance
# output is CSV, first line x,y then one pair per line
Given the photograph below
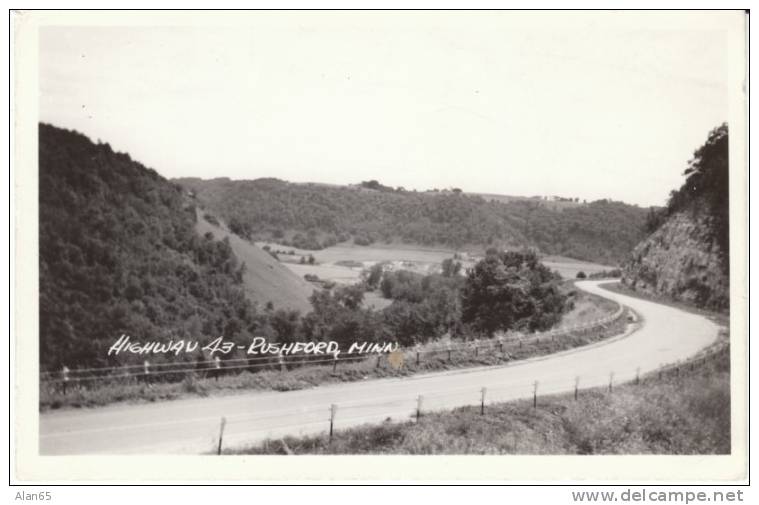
x,y
664,335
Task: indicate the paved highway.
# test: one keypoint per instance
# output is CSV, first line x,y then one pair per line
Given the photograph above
x,y
664,335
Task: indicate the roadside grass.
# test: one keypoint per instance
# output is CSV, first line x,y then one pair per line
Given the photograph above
x,y
721,318
587,307
432,357
687,413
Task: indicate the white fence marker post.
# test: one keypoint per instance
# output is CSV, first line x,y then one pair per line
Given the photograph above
x,y
65,372
146,368
577,385
221,433
332,414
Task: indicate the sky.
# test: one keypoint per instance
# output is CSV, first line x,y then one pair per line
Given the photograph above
x,y
577,105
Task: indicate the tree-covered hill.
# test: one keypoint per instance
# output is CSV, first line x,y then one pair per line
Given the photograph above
x,y
119,254
313,216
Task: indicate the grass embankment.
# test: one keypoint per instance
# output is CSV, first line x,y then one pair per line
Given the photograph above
x,y
433,357
683,413
264,279
721,318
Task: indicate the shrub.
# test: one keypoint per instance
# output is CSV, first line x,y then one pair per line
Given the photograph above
x,y
211,219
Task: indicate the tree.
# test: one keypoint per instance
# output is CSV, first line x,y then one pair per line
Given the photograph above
x,y
350,297
374,276
451,268
654,219
581,275
509,290
240,228
338,316
285,324
409,322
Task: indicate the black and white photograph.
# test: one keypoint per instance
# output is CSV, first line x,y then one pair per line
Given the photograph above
x,y
257,236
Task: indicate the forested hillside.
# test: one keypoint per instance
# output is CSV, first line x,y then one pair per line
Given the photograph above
x,y
122,252
313,216
119,254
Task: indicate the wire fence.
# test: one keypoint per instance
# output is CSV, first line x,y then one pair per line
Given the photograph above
x,y
175,371
326,419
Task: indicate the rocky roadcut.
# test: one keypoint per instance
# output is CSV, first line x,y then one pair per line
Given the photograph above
x,y
687,255
680,260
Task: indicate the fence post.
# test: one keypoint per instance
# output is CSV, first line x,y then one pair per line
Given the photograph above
x,y
418,408
379,360
221,433
146,368
332,413
476,351
334,364
281,361
577,386
482,401
449,355
417,358
217,366
611,379
637,376
535,395
500,345
65,373
520,343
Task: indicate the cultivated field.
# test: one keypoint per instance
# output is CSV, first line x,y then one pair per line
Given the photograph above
x,y
344,263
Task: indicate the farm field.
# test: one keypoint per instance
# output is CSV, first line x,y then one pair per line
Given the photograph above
x,y
343,263
569,267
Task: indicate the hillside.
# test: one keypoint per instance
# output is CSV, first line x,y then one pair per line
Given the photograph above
x,y
311,216
119,253
264,278
686,256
